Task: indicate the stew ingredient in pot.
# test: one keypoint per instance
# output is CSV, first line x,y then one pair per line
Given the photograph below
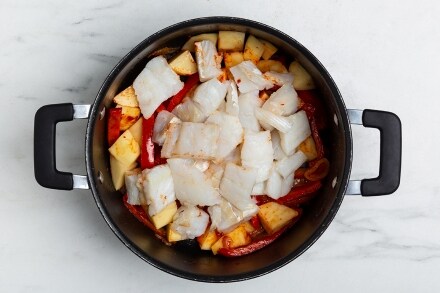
x,y
219,143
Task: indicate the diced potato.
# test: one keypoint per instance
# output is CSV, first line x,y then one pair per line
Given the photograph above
x,y
136,131
129,116
126,150
172,235
207,239
236,238
233,58
118,170
165,216
308,147
189,45
269,49
253,49
274,216
184,64
127,98
271,65
230,41
301,78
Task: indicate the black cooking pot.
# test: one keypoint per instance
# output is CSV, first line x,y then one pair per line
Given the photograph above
x,y
185,260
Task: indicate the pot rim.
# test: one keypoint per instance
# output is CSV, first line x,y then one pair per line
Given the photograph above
x,y
94,114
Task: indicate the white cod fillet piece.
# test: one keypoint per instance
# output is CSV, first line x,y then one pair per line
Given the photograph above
x,y
257,153
274,184
197,141
192,186
283,102
249,78
232,99
298,133
189,111
155,84
161,124
135,197
224,216
236,187
208,60
247,104
209,95
279,79
158,187
190,222
231,133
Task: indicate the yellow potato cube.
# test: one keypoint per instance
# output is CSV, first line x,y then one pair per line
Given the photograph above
x,y
207,239
253,49
233,58
184,64
129,116
125,149
301,78
189,45
308,147
172,235
236,238
271,65
136,131
127,98
274,216
230,41
165,216
269,49
118,170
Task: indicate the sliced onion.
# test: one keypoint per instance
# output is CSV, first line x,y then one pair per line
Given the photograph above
x,y
288,165
274,121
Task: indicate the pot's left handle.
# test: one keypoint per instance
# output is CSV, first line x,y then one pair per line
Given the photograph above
x,y
45,169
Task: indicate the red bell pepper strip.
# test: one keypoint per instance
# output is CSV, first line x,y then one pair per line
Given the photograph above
x,y
312,98
311,114
299,173
161,108
300,191
147,147
318,170
113,125
139,213
177,98
262,199
255,222
302,200
158,160
258,244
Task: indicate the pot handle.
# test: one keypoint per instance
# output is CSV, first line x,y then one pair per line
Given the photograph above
x,y
390,129
45,169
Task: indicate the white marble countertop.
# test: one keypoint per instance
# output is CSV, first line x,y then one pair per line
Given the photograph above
x,y
382,54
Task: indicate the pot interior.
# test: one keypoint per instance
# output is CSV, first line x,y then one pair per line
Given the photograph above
x,y
186,260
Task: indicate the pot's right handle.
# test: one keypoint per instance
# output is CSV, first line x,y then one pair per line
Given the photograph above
x,y
390,129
